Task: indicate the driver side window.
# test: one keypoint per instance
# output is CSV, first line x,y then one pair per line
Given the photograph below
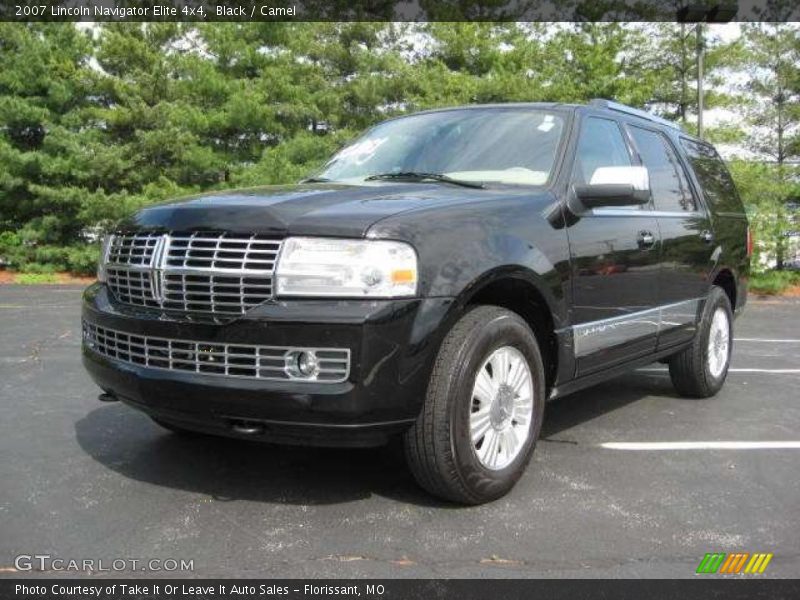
x,y
600,145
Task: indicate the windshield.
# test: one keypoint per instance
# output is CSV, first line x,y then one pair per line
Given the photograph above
x,y
509,145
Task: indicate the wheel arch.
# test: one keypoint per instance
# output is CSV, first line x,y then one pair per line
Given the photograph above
x,y
523,292
725,278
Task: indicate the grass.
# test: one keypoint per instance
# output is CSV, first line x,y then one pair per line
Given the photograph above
x,y
773,282
35,278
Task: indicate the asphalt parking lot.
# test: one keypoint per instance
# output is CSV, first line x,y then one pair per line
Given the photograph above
x,y
82,479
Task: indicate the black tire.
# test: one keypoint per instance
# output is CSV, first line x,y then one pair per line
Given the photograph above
x,y
438,446
689,370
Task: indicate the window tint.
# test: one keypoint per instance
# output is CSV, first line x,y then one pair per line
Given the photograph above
x,y
600,145
668,182
514,145
718,188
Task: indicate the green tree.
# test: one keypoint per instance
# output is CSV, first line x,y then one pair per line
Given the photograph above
x,y
97,122
599,60
45,82
669,51
773,63
765,193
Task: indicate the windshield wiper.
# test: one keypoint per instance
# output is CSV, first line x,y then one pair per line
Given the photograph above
x,y
415,176
315,180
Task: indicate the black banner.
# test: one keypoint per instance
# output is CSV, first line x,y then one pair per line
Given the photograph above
x,y
458,589
400,10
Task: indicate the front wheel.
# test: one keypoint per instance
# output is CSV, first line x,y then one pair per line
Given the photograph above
x,y
701,369
483,409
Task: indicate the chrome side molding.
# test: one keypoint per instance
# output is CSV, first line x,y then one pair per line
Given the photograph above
x,y
594,336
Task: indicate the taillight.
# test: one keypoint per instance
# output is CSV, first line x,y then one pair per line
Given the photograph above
x,y
749,242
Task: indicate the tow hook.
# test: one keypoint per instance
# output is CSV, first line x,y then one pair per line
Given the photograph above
x,y
247,427
107,397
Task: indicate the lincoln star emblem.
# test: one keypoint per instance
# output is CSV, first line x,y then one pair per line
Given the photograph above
x,y
157,266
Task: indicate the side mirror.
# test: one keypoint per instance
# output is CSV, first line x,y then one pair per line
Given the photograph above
x,y
615,186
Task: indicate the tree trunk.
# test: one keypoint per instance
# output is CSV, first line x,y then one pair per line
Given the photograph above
x,y
682,105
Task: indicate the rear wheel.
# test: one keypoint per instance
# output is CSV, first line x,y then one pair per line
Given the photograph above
x,y
483,409
700,370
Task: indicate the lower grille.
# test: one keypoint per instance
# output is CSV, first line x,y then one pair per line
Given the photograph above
x,y
213,358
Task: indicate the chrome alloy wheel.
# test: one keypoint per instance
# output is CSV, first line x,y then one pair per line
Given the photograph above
x,y
502,408
718,343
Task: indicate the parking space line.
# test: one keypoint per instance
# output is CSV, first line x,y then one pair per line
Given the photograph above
x,y
776,371
764,370
778,445
767,341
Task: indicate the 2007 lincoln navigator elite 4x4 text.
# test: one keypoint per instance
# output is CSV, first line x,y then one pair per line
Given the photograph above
x,y
440,279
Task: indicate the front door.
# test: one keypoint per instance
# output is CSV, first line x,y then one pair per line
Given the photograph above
x,y
614,261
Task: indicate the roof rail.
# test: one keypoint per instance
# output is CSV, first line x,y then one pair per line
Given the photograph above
x,y
602,103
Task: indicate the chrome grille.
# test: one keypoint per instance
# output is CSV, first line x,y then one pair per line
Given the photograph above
x,y
213,358
218,274
132,286
214,293
222,252
133,250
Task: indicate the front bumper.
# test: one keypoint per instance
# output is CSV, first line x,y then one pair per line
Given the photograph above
x,y
392,345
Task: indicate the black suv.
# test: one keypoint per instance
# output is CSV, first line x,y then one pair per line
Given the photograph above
x,y
441,278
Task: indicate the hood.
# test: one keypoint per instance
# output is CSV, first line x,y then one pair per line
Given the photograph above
x,y
306,209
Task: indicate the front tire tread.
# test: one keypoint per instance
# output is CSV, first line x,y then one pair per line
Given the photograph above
x,y
430,443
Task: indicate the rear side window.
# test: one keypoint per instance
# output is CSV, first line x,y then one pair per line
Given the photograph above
x,y
718,188
600,145
668,182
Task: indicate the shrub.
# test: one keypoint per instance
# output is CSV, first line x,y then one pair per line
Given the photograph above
x,y
82,260
49,255
773,282
8,241
37,268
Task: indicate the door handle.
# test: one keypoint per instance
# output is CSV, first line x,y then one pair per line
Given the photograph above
x,y
646,239
707,237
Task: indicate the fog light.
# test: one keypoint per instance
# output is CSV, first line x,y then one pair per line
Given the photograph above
x,y
302,364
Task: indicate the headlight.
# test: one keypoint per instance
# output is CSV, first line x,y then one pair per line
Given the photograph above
x,y
346,268
105,246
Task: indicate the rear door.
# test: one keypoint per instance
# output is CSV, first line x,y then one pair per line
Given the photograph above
x,y
687,242
715,187
614,259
